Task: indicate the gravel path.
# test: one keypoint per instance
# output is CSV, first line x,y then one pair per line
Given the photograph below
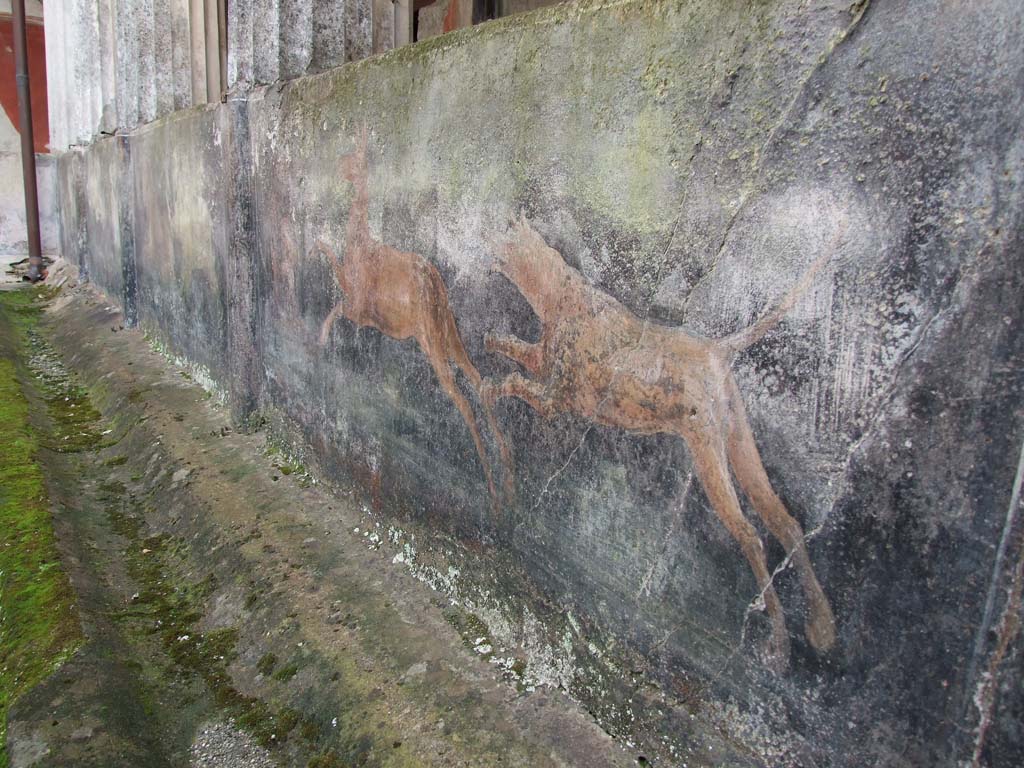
x,y
220,745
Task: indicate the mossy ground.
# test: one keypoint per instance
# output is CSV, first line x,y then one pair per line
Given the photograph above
x,y
170,607
38,628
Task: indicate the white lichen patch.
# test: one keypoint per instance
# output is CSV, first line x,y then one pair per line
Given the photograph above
x,y
188,369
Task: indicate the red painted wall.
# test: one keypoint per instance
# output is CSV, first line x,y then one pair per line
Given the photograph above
x,y
37,79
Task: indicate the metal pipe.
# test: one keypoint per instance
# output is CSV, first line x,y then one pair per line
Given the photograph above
x,y
28,156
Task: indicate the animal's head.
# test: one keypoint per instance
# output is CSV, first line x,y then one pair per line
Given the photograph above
x,y
353,164
535,268
521,248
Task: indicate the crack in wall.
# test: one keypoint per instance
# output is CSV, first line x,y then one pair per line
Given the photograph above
x,y
748,191
1009,623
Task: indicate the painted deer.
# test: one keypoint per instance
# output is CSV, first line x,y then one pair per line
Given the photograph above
x,y
403,296
597,360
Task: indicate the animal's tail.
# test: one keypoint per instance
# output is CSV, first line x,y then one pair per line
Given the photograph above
x,y
753,333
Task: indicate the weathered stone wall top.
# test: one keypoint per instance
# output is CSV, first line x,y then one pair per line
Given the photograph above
x,y
684,339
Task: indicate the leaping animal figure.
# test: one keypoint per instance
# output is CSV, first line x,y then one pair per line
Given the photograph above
x,y
599,361
403,296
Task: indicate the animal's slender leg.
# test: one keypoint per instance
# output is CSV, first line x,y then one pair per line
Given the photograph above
x,y
530,392
445,377
528,355
710,462
458,355
507,460
504,451
325,327
749,471
325,250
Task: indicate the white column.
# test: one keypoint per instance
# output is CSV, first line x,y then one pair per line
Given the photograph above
x,y
197,49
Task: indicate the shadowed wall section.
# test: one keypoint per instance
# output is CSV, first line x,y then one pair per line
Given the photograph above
x,y
181,235
744,373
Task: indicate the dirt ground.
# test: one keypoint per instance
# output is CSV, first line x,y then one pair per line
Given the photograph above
x,y
234,613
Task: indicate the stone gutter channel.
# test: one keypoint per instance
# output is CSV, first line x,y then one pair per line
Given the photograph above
x,y
233,616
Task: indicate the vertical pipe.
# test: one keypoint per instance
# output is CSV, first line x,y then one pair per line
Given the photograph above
x,y
28,156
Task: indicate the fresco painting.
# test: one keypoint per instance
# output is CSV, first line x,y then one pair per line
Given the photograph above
x,y
597,360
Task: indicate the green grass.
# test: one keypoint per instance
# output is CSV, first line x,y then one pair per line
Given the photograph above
x,y
284,674
38,628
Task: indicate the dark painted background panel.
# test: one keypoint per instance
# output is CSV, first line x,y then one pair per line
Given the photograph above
x,y
104,188
70,203
180,225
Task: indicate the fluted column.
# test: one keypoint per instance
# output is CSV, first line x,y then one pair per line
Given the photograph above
x,y
181,54
197,49
145,61
127,79
266,41
163,47
328,35
107,50
296,22
55,53
239,43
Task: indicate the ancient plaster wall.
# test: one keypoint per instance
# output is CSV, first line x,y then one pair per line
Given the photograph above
x,y
104,187
180,230
680,342
146,219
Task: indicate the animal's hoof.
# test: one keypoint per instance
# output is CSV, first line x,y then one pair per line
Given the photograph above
x,y
510,491
776,652
821,628
325,332
488,393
